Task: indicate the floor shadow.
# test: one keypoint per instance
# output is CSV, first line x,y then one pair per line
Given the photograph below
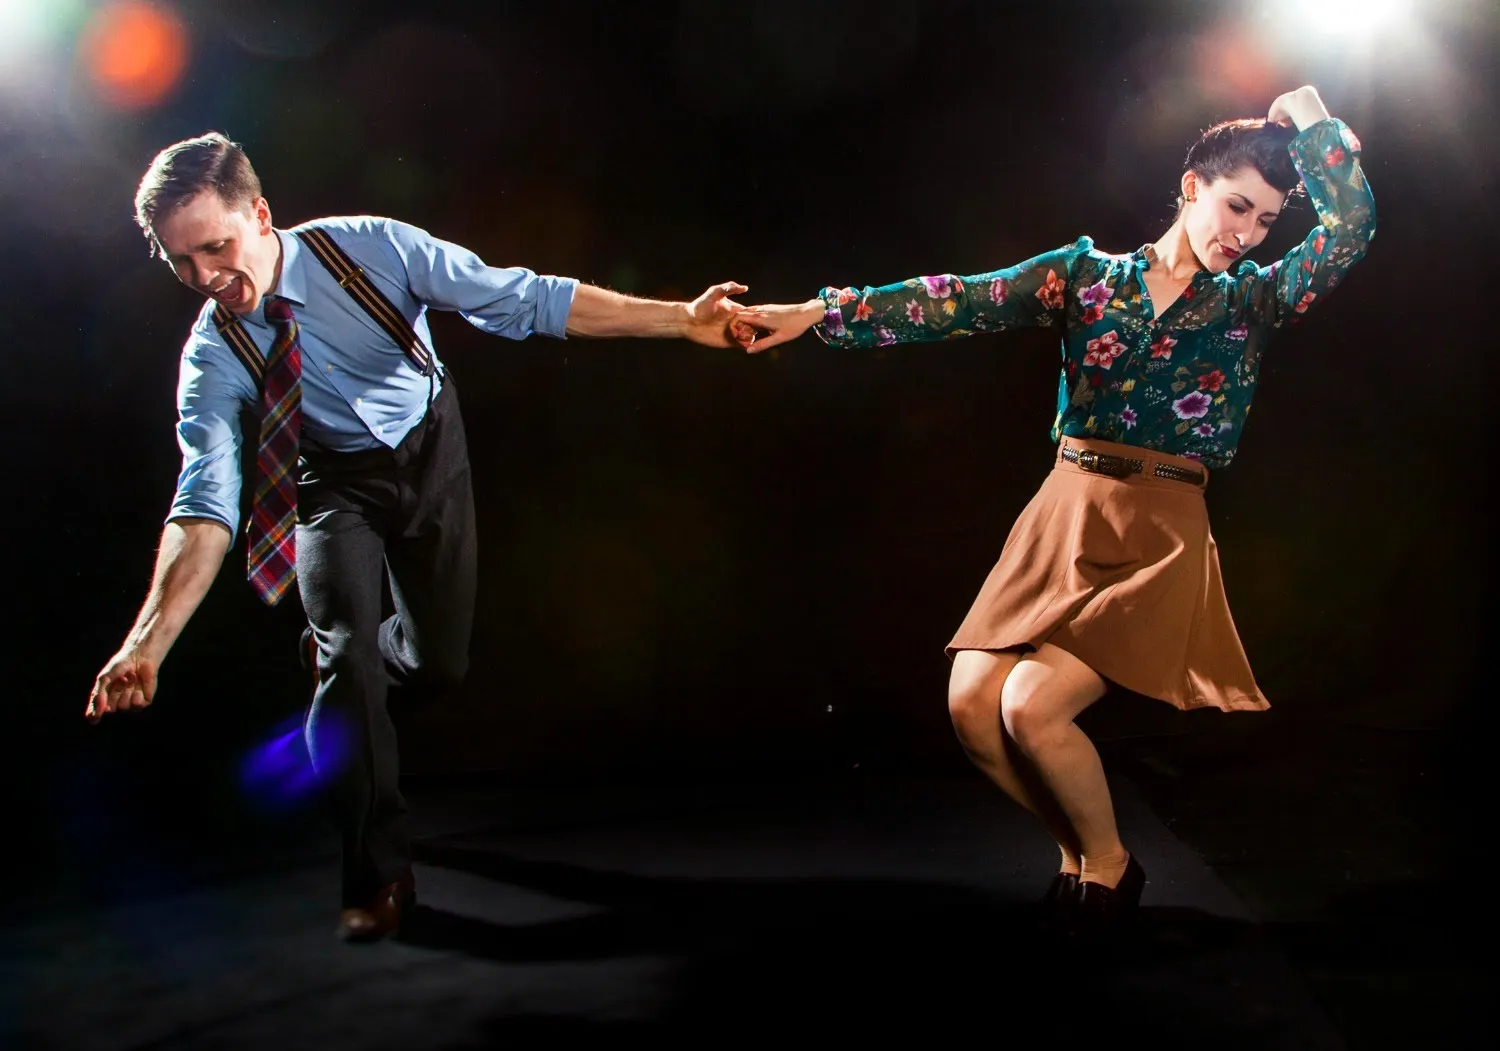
x,y
1414,941
674,915
1390,924
861,955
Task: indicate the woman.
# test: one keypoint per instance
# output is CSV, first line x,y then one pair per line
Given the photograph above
x,y
1111,575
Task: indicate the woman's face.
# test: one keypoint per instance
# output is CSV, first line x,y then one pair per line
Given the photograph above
x,y
1226,218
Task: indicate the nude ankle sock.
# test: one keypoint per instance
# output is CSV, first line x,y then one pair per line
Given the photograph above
x,y
1107,869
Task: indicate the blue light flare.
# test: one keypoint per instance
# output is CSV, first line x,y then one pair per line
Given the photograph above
x,y
278,773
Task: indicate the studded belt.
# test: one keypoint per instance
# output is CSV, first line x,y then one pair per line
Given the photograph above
x,y
1124,466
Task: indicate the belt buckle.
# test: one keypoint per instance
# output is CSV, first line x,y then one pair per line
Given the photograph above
x,y
1101,463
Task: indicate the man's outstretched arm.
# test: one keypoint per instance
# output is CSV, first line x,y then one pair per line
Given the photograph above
x,y
515,302
600,312
192,550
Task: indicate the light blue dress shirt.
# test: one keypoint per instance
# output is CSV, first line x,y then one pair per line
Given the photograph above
x,y
359,389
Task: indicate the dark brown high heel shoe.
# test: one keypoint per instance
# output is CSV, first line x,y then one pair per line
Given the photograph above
x,y
1059,901
1101,911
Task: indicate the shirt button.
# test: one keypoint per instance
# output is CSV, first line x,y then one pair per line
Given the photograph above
x,y
328,368
359,401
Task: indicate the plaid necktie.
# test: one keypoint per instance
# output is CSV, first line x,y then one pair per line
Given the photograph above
x,y
272,564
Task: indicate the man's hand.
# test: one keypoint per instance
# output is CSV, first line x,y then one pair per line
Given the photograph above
x,y
759,328
711,315
127,681
192,549
602,314
1302,108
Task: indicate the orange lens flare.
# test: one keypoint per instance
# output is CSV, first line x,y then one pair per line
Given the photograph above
x,y
135,52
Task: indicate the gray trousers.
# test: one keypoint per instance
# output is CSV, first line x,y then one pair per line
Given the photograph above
x,y
406,513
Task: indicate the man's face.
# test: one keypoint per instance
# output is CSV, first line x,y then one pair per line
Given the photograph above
x,y
231,255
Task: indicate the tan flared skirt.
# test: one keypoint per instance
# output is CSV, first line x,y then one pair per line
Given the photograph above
x,y
1123,573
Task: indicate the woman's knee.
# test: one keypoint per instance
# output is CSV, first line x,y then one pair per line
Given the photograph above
x,y
970,709
1044,694
1025,712
1021,718
974,691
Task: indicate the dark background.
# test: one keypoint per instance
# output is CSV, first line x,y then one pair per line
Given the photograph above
x,y
696,563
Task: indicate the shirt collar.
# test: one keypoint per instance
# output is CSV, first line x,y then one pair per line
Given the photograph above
x,y
292,284
1146,254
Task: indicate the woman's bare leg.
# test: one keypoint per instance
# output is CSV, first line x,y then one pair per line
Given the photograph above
x,y
1041,697
974,689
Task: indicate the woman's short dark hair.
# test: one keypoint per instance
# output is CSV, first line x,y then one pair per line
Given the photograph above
x,y
1251,142
184,170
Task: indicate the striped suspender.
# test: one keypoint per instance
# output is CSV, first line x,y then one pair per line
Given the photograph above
x,y
243,346
353,280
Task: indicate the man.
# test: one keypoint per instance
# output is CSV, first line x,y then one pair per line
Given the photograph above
x,y
321,333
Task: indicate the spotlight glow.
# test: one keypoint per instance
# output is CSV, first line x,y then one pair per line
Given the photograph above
x,y
29,28
135,52
23,24
1350,18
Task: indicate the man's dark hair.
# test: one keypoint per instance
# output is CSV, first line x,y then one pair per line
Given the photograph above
x,y
184,170
1250,142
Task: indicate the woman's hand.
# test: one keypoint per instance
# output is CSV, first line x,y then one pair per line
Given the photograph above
x,y
1302,108
758,328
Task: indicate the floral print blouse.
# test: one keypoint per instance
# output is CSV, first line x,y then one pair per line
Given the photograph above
x,y
1179,382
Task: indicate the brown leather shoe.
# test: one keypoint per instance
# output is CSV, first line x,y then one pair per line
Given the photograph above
x,y
380,917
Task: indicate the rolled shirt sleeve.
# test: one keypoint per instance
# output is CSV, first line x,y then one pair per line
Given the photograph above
x,y
213,389
513,302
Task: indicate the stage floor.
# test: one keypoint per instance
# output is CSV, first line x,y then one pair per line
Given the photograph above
x,y
847,907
